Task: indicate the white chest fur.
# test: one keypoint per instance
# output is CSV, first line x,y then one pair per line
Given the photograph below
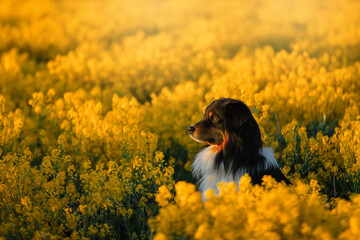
x,y
203,168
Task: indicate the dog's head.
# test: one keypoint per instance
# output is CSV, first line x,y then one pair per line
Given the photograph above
x,y
230,128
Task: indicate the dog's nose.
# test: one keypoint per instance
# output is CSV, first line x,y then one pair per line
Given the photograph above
x,y
191,129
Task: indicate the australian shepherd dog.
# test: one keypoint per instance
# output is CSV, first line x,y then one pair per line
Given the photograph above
x,y
234,146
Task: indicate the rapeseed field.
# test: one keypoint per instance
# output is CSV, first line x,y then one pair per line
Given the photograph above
x,y
96,97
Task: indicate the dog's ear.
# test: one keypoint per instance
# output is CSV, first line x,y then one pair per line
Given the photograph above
x,y
238,118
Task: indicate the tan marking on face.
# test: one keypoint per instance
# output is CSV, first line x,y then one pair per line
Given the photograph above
x,y
218,148
210,114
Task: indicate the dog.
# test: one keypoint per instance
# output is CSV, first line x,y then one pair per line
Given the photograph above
x,y
233,147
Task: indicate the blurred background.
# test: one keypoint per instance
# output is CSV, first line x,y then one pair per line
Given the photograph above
x,y
139,47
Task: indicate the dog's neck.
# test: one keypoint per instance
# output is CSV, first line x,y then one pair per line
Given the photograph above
x,y
204,168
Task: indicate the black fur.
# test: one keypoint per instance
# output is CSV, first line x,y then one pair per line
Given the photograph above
x,y
243,147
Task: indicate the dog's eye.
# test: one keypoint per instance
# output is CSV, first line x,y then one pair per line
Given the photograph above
x,y
214,118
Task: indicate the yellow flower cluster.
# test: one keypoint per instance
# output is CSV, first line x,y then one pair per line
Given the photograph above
x,y
271,211
100,170
96,98
10,126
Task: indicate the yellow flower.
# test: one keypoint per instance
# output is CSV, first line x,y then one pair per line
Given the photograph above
x,y
92,230
160,236
163,196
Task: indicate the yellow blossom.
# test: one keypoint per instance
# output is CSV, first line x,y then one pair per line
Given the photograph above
x,y
94,113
